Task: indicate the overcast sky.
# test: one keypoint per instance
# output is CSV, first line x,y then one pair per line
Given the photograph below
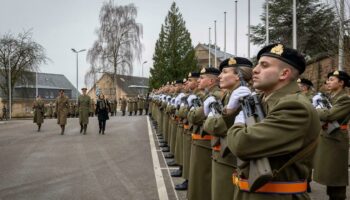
x,y
59,25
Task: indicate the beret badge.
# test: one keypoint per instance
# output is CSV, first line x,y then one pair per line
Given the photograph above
x,y
232,61
278,49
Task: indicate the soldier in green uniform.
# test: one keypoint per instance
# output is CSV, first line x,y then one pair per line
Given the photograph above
x,y
139,104
200,166
4,112
224,163
50,110
134,105
123,105
38,107
129,102
331,158
71,110
84,105
284,138
62,106
306,86
191,86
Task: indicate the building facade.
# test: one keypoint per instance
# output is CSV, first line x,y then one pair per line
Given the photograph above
x,y
24,91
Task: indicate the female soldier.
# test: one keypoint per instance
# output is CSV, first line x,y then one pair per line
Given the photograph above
x,y
223,161
102,108
38,107
331,158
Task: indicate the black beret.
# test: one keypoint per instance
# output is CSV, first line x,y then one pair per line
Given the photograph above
x,y
210,70
178,82
61,90
285,54
193,75
305,81
235,62
341,76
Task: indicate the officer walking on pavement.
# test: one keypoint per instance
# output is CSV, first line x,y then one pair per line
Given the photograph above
x,y
84,104
62,106
38,107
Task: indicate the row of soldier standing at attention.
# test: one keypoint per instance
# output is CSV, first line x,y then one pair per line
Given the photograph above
x,y
242,132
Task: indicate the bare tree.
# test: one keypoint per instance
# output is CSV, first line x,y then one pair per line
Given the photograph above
x,y
118,42
19,54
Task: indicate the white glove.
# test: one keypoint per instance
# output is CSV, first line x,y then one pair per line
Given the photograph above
x,y
315,99
240,118
178,99
210,114
238,93
206,104
190,99
168,98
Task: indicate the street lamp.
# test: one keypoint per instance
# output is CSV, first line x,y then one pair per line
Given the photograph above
x,y
10,98
77,53
144,62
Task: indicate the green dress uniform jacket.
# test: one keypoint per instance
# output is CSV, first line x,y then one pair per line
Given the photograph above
x,y
200,166
331,159
290,125
38,107
223,161
62,106
84,104
123,105
129,105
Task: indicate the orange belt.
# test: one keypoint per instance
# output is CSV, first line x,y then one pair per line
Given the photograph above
x,y
344,127
186,126
217,148
295,187
199,137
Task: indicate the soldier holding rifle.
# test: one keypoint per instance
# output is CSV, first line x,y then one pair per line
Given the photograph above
x,y
284,135
331,158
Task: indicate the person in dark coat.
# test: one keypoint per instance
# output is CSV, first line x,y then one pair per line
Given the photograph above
x,y
102,109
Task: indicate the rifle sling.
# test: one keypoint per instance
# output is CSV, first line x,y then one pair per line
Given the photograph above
x,y
300,155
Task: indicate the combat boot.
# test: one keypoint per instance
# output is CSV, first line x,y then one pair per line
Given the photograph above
x,y
62,130
81,127
85,127
39,126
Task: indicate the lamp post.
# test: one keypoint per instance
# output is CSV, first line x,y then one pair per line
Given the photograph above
x,y
77,53
10,98
144,62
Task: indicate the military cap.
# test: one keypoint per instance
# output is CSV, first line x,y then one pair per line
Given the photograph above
x,y
235,62
193,75
285,54
305,82
341,75
210,70
83,88
178,82
61,90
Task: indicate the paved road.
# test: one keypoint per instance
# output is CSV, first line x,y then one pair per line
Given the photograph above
x,y
47,165
126,163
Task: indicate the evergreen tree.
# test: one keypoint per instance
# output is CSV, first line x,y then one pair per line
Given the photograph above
x,y
317,26
174,55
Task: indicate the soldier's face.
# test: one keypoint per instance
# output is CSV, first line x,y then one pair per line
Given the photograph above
x,y
228,78
333,83
267,74
192,83
205,81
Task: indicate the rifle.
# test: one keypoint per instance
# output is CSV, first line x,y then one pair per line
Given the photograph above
x,y
325,103
259,169
216,108
197,102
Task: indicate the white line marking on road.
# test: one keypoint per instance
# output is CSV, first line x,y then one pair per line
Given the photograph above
x,y
162,193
